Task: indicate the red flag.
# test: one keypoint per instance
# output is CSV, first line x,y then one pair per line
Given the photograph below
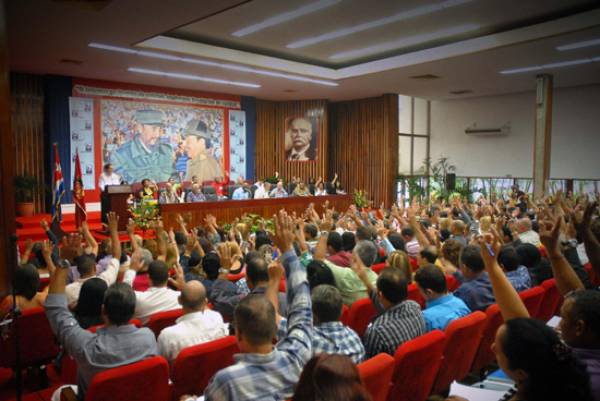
x,y
78,193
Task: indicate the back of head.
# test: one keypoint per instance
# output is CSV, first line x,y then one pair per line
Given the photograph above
x,y
552,372
431,278
311,231
86,265
364,233
262,238
326,303
429,253
400,260
119,303
330,377
26,281
334,240
255,320
257,270
158,272
408,233
529,255
509,258
451,250
367,251
348,241
586,307
91,297
193,295
318,273
457,227
471,258
397,241
393,284
211,263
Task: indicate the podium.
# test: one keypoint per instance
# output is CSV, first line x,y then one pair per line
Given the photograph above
x,y
114,199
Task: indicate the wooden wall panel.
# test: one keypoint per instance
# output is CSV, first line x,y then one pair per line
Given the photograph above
x,y
270,129
363,145
27,125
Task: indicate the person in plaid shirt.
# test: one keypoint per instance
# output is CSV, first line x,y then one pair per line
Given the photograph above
x,y
330,335
261,371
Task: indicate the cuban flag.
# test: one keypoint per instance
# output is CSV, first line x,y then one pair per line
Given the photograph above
x,y
59,188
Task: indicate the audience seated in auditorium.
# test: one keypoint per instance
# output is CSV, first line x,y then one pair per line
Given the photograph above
x,y
26,281
399,319
399,260
330,336
538,267
262,371
88,310
119,343
442,307
336,254
86,267
198,324
476,289
526,233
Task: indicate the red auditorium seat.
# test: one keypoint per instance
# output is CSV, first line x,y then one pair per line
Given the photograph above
x,y
549,306
594,279
485,355
377,268
451,283
462,341
376,374
196,365
415,295
146,380
236,277
161,320
36,340
532,298
344,315
360,315
416,365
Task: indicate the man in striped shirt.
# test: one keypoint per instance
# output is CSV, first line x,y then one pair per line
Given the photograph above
x,y
400,320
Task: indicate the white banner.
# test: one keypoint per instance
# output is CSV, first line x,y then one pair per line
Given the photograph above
x,y
81,112
237,144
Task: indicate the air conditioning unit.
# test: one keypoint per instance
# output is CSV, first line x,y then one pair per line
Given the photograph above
x,y
499,131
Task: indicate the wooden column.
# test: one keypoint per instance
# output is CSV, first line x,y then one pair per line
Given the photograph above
x,y
542,138
7,167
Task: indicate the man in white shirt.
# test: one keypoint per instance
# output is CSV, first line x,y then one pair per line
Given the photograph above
x,y
108,177
526,234
197,325
262,192
86,267
158,298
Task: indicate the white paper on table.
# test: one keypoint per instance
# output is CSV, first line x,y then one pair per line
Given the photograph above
x,y
475,393
554,321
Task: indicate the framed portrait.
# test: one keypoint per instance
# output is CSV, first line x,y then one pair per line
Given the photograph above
x,y
301,138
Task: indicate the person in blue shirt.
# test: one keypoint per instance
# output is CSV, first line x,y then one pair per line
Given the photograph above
x,y
476,288
242,192
442,307
517,274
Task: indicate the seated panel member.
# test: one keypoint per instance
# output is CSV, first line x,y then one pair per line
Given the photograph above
x,y
195,195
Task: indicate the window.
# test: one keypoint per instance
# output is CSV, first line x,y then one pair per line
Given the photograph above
x,y
413,129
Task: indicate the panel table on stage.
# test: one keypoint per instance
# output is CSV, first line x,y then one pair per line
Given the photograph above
x,y
226,211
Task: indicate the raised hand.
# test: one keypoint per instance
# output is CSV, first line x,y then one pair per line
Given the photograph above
x,y
276,272
284,231
130,227
549,236
225,255
582,222
490,245
44,225
113,222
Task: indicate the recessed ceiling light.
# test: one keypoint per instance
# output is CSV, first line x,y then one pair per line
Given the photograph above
x,y
405,42
579,45
461,92
405,15
560,64
285,17
425,76
226,66
191,77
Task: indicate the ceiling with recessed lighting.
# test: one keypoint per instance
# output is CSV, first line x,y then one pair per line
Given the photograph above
x,y
327,49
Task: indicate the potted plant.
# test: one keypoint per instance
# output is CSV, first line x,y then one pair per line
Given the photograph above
x,y
24,187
